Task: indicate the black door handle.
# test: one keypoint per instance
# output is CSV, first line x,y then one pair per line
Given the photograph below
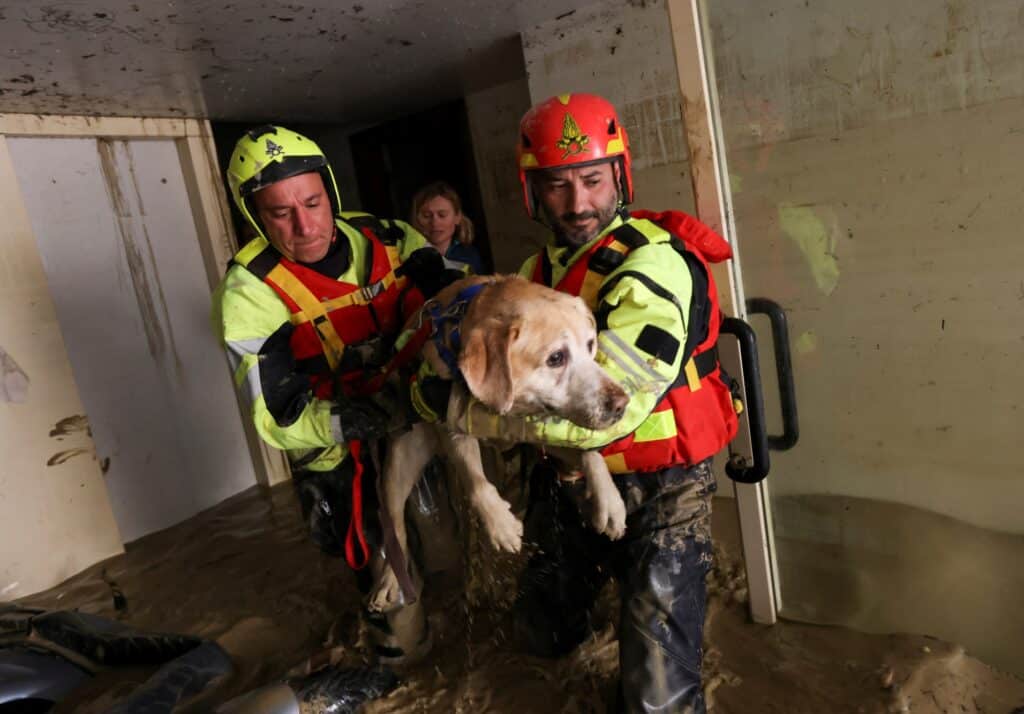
x,y
783,369
737,467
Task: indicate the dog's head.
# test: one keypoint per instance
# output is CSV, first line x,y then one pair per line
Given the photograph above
x,y
529,350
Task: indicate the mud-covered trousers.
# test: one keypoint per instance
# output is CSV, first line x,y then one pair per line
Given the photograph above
x,y
660,566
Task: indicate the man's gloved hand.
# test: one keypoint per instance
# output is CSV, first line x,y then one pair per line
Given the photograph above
x,y
425,268
372,417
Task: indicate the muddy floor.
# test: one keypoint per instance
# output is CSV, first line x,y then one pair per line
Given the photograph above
x,y
244,574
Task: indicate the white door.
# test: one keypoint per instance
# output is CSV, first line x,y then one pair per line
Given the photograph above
x,y
118,242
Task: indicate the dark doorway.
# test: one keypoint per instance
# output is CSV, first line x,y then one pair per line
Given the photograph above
x,y
395,159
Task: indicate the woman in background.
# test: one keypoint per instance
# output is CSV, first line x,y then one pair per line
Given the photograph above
x,y
437,214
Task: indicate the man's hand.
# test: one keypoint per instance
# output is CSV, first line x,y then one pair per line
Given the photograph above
x,y
425,268
372,417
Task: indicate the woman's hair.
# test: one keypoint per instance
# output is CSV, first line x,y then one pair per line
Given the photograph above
x,y
464,229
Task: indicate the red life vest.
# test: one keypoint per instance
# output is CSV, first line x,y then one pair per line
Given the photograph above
x,y
701,402
330,315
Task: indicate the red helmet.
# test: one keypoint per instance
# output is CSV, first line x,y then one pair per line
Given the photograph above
x,y
572,130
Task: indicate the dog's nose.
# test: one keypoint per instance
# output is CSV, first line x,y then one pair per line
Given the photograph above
x,y
615,401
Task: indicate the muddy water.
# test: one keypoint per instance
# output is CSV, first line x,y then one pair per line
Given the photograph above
x,y
243,574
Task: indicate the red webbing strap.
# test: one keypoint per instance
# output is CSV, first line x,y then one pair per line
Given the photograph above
x,y
405,356
355,523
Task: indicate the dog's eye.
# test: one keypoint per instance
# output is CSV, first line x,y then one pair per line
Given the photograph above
x,y
556,359
590,346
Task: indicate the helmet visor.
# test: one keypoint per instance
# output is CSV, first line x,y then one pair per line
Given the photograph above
x,y
280,170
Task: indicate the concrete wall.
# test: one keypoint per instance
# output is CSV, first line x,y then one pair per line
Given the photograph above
x,y
622,51
874,161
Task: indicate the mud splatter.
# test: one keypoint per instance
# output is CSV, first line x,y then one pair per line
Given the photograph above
x,y
61,456
70,425
151,324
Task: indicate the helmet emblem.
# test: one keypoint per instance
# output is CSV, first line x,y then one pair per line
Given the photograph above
x,y
274,150
572,141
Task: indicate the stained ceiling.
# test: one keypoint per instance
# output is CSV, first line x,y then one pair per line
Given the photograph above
x,y
304,61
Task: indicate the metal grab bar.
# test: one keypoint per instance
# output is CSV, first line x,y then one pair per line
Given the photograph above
x,y
737,467
783,369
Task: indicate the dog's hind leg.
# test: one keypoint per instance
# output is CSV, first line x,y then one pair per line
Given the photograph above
x,y
407,455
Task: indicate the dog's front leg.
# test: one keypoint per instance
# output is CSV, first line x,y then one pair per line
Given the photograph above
x,y
407,455
608,514
607,509
504,530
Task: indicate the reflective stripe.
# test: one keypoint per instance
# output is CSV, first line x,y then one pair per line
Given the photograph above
x,y
336,430
606,350
244,358
252,380
245,347
659,425
314,310
633,354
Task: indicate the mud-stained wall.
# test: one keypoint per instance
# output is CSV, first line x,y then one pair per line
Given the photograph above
x,y
789,69
55,518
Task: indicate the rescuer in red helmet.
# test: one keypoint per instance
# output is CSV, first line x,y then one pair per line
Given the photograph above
x,y
647,279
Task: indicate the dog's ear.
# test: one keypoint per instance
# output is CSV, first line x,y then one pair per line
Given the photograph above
x,y
486,365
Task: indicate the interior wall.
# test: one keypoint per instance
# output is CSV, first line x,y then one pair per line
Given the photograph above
x,y
494,115
876,188
55,517
873,155
622,51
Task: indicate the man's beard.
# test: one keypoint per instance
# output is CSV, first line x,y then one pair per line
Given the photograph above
x,y
574,238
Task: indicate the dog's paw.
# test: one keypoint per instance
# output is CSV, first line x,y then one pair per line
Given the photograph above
x,y
387,594
608,512
504,530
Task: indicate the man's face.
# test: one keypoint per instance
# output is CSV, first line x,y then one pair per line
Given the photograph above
x,y
296,214
578,202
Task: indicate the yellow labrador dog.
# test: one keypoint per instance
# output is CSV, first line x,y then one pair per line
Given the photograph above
x,y
526,350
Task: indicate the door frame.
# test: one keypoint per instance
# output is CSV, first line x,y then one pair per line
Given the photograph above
x,y
713,200
197,153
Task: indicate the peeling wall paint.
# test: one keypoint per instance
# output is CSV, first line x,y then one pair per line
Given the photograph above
x,y
13,380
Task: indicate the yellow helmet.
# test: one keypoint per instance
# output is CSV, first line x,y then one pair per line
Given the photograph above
x,y
268,154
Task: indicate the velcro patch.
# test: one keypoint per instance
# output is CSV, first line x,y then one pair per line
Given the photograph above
x,y
655,341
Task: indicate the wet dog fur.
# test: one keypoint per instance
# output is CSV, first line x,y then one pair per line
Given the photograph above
x,y
527,350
